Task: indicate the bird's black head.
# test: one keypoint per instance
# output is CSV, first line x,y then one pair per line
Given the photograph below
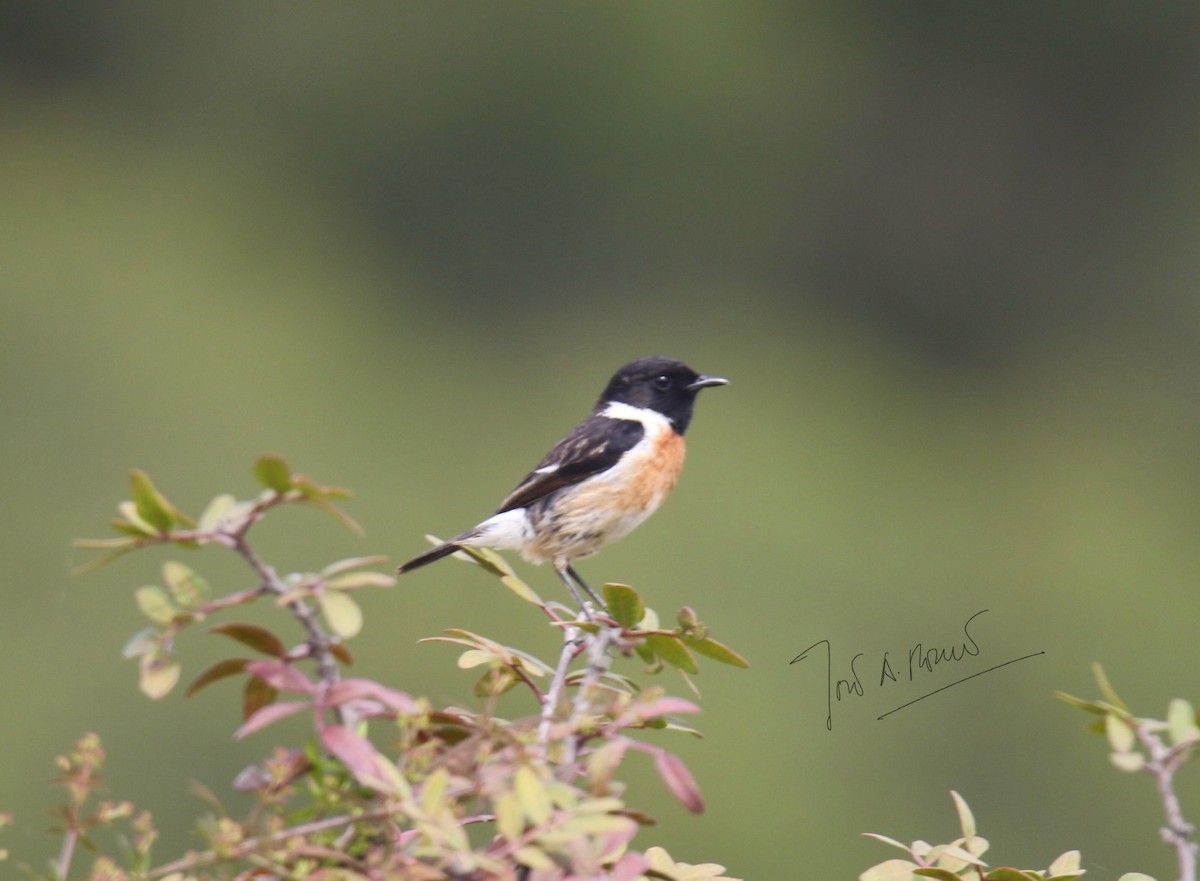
x,y
661,384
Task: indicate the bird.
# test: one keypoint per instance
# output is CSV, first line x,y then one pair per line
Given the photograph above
x,y
601,481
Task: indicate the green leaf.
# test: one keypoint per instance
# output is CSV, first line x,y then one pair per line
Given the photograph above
x,y
1067,863
143,641
672,650
189,589
531,795
521,589
602,764
354,580
342,614
475,658
710,648
320,496
1007,873
155,604
97,562
1086,706
257,638
1181,721
159,672
893,842
510,821
214,513
151,507
218,671
624,604
1135,876
966,820
352,563
1130,761
433,792
272,471
890,870
934,872
1106,688
496,681
1120,734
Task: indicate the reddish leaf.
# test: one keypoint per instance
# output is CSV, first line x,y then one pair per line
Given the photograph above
x,y
629,867
258,638
269,715
219,670
256,695
281,675
356,753
678,779
348,690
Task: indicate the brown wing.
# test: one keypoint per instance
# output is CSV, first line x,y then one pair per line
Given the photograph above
x,y
595,445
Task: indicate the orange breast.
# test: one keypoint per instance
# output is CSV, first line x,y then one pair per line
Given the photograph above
x,y
658,475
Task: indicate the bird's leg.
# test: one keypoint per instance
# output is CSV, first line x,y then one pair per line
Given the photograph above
x,y
575,575
562,570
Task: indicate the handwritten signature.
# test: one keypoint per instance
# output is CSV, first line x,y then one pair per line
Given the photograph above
x,y
908,669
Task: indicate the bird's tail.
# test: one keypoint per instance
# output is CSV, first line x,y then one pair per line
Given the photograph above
x,y
435,553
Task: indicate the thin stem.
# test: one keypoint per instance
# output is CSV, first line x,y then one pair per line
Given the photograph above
x,y
319,643
1162,765
599,663
571,648
66,853
252,844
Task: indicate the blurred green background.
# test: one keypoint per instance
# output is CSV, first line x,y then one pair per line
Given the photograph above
x,y
947,253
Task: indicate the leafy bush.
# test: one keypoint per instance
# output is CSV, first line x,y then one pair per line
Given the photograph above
x,y
390,787
1137,745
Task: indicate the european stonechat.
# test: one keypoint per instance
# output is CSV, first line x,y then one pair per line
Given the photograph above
x,y
601,480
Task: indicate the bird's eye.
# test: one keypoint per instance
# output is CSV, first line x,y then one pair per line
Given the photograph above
x,y
662,382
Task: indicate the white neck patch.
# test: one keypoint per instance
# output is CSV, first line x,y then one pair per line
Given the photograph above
x,y
651,419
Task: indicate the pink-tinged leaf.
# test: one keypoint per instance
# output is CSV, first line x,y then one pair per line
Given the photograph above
x,y
258,638
664,705
281,675
218,671
348,690
356,753
268,715
629,867
679,780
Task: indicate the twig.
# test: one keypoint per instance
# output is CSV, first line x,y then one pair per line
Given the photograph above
x,y
252,844
1161,764
599,663
570,650
66,853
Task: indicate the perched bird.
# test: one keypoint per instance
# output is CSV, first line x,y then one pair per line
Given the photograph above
x,y
601,480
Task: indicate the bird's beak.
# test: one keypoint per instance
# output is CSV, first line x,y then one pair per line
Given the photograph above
x,y
705,382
